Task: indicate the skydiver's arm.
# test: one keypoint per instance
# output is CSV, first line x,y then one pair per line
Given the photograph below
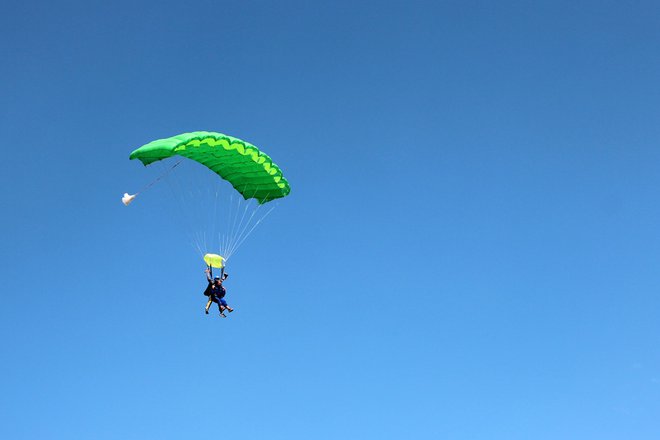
x,y
209,274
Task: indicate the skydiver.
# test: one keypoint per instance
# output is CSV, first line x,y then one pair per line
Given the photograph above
x,y
216,293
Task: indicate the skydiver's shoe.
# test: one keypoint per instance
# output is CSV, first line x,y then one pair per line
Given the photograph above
x,y
206,312
223,315
230,310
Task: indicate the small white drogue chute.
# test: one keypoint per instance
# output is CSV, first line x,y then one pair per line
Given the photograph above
x,y
128,198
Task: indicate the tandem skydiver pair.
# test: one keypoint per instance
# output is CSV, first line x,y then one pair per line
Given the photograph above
x,y
216,292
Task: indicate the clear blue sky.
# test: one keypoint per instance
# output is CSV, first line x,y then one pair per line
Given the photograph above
x,y
470,249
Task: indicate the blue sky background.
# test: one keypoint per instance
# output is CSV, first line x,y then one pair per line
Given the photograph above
x,y
469,251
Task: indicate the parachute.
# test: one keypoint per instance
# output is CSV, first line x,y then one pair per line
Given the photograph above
x,y
252,175
251,172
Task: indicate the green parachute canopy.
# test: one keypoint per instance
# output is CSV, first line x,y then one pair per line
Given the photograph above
x,y
251,172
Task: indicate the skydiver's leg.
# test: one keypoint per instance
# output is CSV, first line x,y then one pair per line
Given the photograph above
x,y
221,307
208,305
225,306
